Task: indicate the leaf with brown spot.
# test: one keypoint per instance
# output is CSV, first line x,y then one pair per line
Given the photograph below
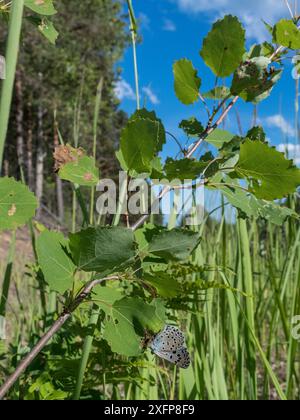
x,y
66,154
12,210
81,171
15,195
88,177
42,7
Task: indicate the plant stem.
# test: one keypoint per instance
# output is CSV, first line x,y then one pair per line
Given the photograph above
x,y
95,130
13,42
133,30
87,347
93,321
248,283
82,205
7,276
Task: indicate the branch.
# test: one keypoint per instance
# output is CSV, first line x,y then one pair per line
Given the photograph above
x,y
290,9
190,153
63,318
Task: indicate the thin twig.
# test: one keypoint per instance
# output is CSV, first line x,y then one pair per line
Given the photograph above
x,y
276,52
202,99
239,123
209,129
290,9
176,140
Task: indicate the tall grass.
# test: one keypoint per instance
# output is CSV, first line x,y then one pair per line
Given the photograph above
x,y
12,50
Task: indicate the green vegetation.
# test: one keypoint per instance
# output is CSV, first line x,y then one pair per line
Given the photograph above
x,y
79,306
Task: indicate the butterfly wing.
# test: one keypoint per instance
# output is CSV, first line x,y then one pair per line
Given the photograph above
x,y
183,358
168,340
179,357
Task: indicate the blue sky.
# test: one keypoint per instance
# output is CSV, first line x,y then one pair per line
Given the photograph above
x,y
173,29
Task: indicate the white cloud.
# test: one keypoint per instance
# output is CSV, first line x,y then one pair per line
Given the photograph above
x,y
292,151
123,90
151,95
144,21
251,12
278,121
169,26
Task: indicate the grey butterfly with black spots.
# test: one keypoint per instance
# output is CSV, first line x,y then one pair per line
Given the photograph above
x,y
170,345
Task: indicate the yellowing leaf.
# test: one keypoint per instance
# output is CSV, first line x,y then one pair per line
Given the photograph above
x,y
286,33
17,204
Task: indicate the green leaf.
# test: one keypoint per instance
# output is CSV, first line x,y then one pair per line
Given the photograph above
x,y
46,27
42,7
253,81
48,30
82,172
151,115
139,145
56,265
270,174
250,206
257,133
187,83
184,169
218,93
105,297
231,147
102,248
17,204
219,137
174,245
286,33
224,46
164,283
268,27
125,327
160,311
192,127
157,168
265,49
274,213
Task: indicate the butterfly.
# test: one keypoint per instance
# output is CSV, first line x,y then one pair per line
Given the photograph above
x,y
169,344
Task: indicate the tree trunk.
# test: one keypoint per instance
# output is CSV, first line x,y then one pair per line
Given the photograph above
x,y
39,186
6,167
30,174
59,184
20,120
